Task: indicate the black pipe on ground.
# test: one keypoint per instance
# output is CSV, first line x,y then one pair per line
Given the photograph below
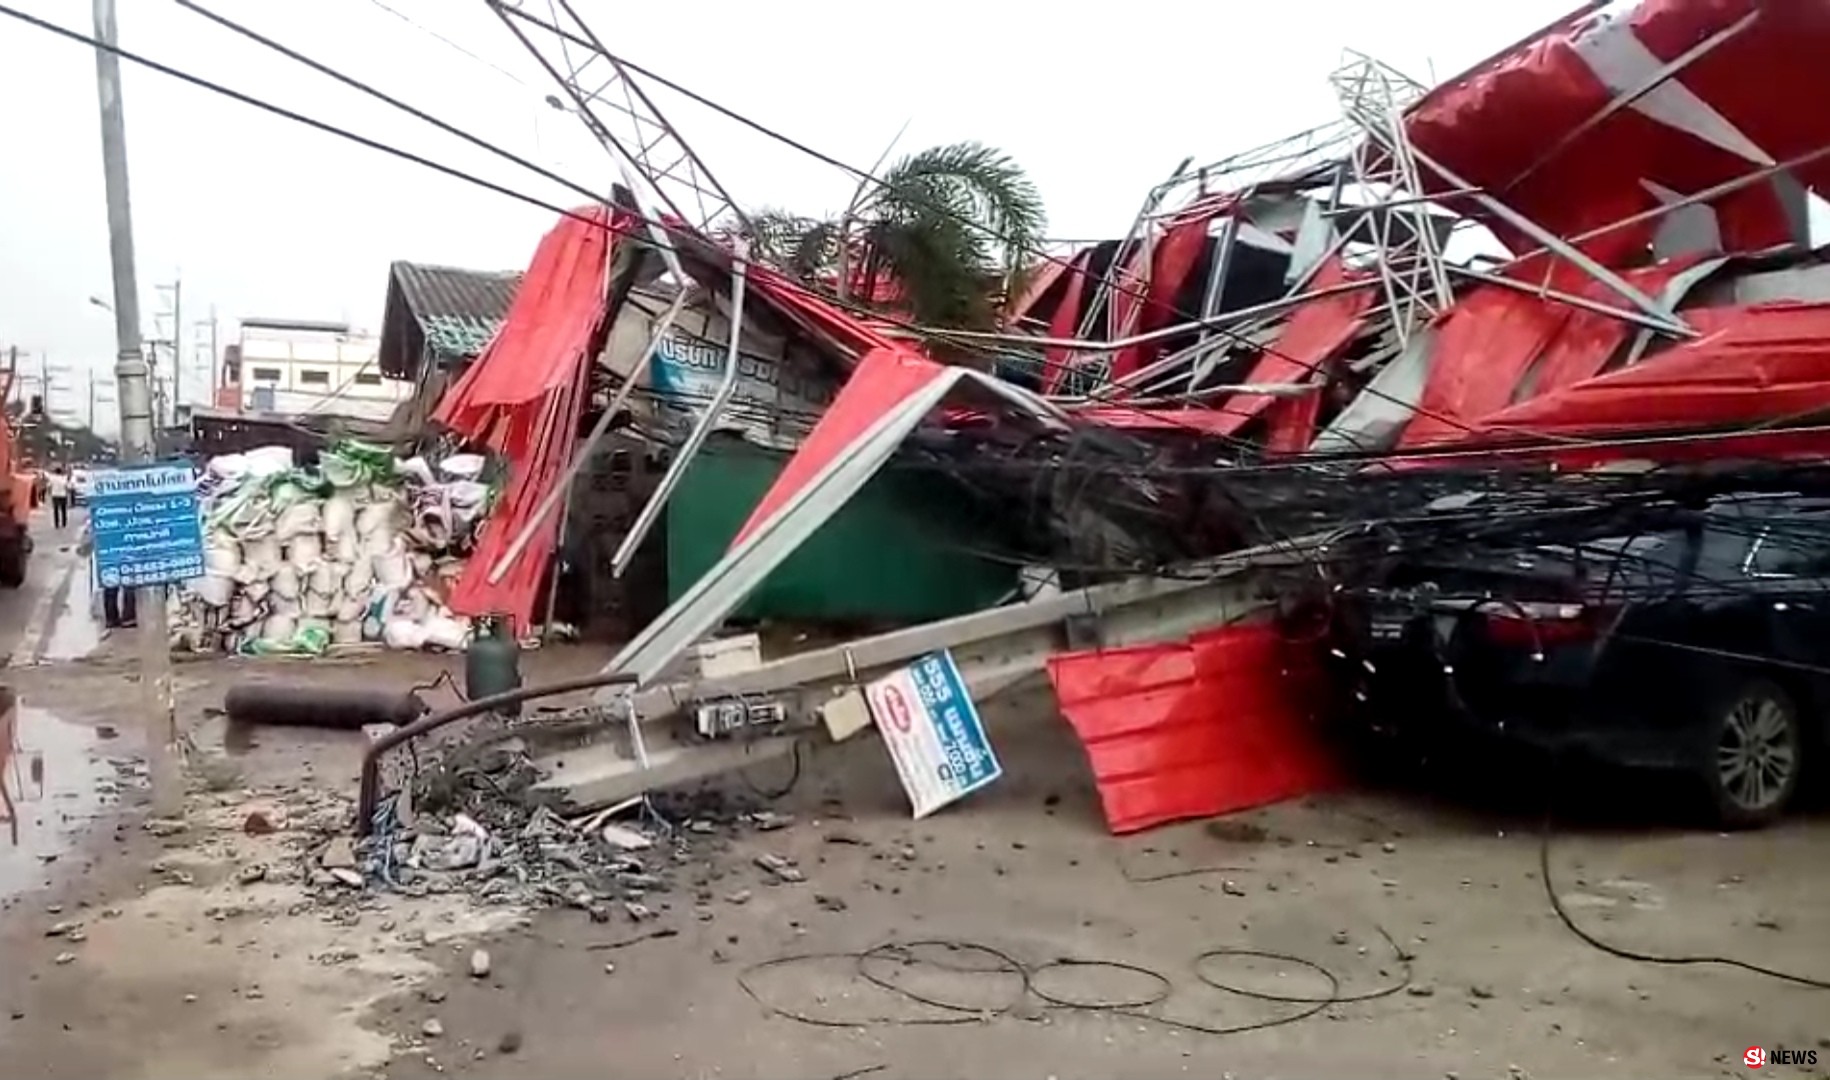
x,y
344,708
369,794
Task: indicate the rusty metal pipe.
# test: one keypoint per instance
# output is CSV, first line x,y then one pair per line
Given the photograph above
x,y
369,793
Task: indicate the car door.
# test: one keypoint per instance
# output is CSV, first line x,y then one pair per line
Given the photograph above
x,y
1788,567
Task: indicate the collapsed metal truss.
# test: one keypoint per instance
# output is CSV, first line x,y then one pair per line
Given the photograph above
x,y
1407,238
607,97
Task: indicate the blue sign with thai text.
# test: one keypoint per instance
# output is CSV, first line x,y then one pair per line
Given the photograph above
x,y
146,525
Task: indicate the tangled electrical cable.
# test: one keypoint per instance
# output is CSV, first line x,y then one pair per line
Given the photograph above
x,y
1022,985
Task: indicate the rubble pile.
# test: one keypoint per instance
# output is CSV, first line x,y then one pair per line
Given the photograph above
x,y
362,548
473,828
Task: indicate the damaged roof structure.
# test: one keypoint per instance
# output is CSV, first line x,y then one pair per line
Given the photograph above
x,y
440,316
1593,248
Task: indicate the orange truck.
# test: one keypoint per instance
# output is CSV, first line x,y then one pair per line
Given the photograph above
x,y
17,481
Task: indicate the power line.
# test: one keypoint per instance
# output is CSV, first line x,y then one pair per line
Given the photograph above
x,y
1114,282
446,170
296,117
403,17
357,84
1372,457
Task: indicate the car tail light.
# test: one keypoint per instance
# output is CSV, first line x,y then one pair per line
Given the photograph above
x,y
1538,625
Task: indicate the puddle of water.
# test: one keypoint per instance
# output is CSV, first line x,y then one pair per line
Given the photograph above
x,y
75,631
59,782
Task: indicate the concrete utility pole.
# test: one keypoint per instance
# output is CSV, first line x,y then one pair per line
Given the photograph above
x,y
134,393
210,360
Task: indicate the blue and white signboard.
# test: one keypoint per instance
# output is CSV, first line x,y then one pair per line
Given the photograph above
x,y
685,373
933,731
145,523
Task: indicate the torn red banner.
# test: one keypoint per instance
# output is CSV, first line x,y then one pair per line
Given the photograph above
x,y
523,398
1225,721
1668,98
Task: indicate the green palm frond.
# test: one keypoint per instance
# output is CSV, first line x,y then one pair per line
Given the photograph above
x,y
802,246
952,226
938,264
970,182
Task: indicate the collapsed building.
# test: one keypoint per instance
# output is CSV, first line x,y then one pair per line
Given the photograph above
x,y
1593,251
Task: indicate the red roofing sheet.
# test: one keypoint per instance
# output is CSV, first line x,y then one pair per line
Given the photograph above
x,y
1224,721
1742,106
523,397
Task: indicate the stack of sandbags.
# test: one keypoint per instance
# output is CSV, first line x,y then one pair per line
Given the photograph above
x,y
299,561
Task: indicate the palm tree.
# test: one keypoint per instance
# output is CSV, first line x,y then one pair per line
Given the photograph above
x,y
944,236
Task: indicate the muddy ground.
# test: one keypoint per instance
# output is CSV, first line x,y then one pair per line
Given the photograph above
x,y
1428,905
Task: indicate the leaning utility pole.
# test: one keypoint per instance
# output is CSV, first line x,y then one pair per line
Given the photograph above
x,y
134,394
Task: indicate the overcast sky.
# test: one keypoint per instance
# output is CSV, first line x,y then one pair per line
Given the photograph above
x,y
262,217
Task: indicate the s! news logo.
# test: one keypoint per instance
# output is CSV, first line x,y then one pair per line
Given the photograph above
x,y
1758,1057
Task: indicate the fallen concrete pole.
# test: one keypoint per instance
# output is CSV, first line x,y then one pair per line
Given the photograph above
x,y
994,649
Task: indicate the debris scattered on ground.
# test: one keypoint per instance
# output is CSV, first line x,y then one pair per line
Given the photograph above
x,y
432,1029
780,868
479,964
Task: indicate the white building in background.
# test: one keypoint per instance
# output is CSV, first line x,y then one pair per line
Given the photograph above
x,y
294,367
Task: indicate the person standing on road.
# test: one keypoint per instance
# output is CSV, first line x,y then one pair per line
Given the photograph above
x,y
117,601
60,497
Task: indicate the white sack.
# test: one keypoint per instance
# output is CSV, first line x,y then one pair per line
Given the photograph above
x,y
305,551
327,578
286,582
339,514
216,590
403,634
260,560
447,632
359,578
318,606
462,466
375,517
298,519
267,460
222,555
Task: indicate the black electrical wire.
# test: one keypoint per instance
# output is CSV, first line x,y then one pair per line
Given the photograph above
x,y
418,114
1026,982
369,142
296,117
1588,938
1307,367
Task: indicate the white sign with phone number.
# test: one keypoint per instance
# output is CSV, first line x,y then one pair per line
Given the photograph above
x,y
933,732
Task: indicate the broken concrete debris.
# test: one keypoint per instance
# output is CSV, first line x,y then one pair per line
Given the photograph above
x,y
780,868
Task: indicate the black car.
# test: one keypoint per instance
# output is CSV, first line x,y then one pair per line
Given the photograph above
x,y
1702,646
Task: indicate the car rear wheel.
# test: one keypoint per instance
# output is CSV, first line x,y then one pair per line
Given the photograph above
x,y
1755,756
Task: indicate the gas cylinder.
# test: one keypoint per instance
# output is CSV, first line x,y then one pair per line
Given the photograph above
x,y
492,662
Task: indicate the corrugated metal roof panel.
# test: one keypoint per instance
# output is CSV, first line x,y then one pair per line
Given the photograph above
x,y
459,309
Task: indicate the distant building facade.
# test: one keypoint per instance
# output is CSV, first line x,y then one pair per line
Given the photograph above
x,y
294,367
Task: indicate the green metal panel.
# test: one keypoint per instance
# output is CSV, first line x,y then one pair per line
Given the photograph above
x,y
892,554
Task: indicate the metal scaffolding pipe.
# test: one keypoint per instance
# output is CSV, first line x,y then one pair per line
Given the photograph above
x,y
651,511
583,453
